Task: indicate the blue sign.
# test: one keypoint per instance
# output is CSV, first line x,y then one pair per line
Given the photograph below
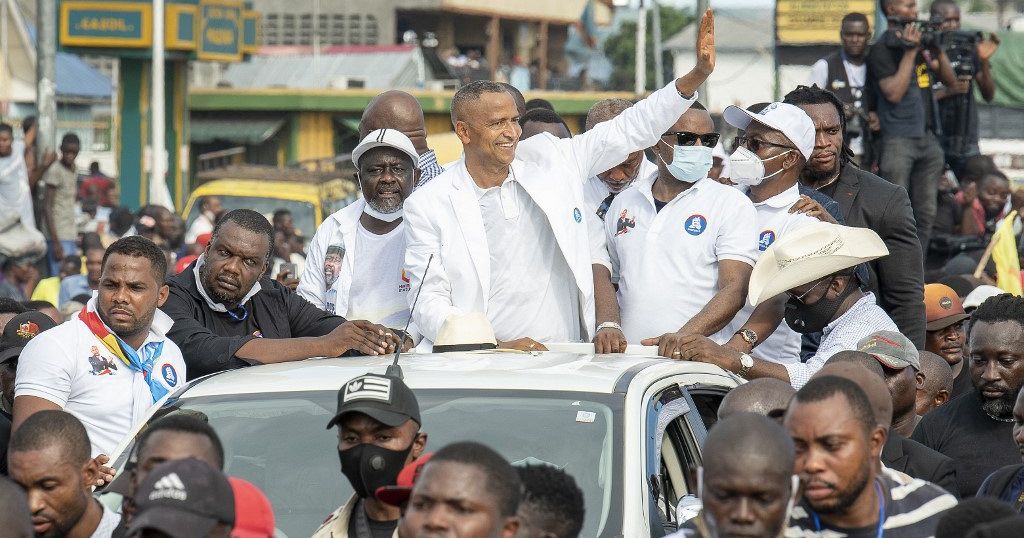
x,y
220,38
106,24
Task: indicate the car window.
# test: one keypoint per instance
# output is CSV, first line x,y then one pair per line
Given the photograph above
x,y
672,454
706,399
302,212
279,442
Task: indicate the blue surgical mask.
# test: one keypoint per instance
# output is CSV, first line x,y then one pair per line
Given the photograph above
x,y
690,164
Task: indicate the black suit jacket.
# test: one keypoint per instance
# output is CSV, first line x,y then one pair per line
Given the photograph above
x,y
913,458
897,280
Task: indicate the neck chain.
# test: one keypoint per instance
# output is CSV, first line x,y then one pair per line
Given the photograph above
x,y
993,417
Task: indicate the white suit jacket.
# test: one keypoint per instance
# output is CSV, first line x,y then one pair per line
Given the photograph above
x,y
443,217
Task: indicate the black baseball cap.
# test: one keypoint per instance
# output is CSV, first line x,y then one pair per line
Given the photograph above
x,y
20,330
182,499
385,399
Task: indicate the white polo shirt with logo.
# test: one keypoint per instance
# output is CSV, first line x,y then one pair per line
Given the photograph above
x,y
773,221
70,367
666,263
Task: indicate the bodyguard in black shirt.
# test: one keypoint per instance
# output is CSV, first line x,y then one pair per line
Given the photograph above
x,y
976,429
227,316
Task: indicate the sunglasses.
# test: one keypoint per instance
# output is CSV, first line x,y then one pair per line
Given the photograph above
x,y
686,138
756,144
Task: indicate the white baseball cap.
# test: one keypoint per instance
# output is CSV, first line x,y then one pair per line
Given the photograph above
x,y
386,137
788,119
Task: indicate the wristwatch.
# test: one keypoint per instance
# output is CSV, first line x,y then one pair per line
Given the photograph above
x,y
748,336
746,363
609,325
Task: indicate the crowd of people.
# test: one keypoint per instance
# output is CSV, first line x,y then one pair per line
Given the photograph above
x,y
883,387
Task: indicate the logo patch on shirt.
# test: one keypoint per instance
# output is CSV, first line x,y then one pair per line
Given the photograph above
x,y
765,240
577,215
100,365
624,223
404,286
169,374
368,388
696,224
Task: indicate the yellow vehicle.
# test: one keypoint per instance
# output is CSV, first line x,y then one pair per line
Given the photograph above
x,y
310,198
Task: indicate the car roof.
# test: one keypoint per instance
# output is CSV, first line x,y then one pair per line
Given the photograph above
x,y
573,372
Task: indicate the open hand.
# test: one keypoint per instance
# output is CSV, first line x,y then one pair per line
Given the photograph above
x,y
706,44
987,47
810,207
106,474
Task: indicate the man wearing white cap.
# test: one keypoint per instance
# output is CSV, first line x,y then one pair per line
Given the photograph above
x,y
814,267
355,262
506,226
775,146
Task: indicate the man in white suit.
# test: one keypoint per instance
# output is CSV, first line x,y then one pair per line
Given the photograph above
x,y
506,225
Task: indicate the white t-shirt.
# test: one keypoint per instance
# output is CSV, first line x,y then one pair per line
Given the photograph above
x,y
666,263
773,221
533,292
108,523
15,196
856,75
202,225
379,284
70,367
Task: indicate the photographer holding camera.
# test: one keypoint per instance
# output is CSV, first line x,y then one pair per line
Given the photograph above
x,y
844,73
969,54
898,70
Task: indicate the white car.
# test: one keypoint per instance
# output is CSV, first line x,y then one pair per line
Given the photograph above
x,y
628,428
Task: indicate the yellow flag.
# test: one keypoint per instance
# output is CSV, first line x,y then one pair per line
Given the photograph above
x,y
1004,255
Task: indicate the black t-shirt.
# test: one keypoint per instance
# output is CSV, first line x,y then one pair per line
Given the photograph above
x,y
912,117
978,443
962,382
952,108
378,529
5,438
659,205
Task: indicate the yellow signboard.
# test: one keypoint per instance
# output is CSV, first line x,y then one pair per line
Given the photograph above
x,y
807,22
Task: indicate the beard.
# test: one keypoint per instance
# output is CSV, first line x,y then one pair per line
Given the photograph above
x,y
846,497
1001,407
815,176
385,207
208,281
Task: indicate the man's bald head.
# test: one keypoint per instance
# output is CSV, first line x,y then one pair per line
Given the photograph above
x,y
398,110
748,443
605,110
869,382
938,383
764,396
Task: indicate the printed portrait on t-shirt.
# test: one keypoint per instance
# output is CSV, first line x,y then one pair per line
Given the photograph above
x,y
100,364
332,264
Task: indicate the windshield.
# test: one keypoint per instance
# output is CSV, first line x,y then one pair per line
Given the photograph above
x,y
302,212
279,442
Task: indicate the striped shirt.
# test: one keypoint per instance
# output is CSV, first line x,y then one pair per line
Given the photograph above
x,y
429,169
862,319
912,510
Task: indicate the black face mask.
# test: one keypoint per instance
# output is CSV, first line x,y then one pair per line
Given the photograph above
x,y
812,318
369,467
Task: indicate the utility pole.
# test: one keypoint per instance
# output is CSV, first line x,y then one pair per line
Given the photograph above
x,y
640,82
158,192
659,68
46,76
702,90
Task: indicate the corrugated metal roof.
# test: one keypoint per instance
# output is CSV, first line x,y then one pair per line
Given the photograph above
x,y
389,68
79,79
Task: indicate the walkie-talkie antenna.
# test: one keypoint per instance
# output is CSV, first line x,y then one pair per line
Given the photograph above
x,y
394,369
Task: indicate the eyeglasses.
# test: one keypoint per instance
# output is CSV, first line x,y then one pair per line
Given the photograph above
x,y
756,144
806,293
686,138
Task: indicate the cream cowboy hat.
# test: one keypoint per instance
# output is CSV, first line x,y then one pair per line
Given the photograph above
x,y
810,253
465,332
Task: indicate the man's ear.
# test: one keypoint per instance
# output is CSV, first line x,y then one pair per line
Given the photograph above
x,y
877,441
941,397
164,292
419,444
919,379
90,472
510,528
462,131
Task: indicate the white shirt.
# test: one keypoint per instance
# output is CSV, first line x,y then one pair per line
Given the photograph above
x,y
595,190
773,221
15,196
379,285
108,523
70,367
855,74
202,225
532,288
862,319
666,263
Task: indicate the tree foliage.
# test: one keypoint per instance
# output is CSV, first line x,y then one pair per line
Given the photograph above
x,y
621,48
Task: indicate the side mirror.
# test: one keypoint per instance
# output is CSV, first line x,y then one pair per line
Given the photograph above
x,y
687,508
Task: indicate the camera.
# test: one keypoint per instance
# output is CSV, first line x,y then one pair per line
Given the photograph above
x,y
960,48
931,34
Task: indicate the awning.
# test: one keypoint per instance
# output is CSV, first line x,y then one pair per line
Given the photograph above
x,y
245,131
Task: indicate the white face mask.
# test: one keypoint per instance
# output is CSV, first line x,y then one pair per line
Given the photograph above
x,y
794,493
386,217
746,168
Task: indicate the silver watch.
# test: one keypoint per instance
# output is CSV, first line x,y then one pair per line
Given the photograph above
x,y
609,325
746,363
